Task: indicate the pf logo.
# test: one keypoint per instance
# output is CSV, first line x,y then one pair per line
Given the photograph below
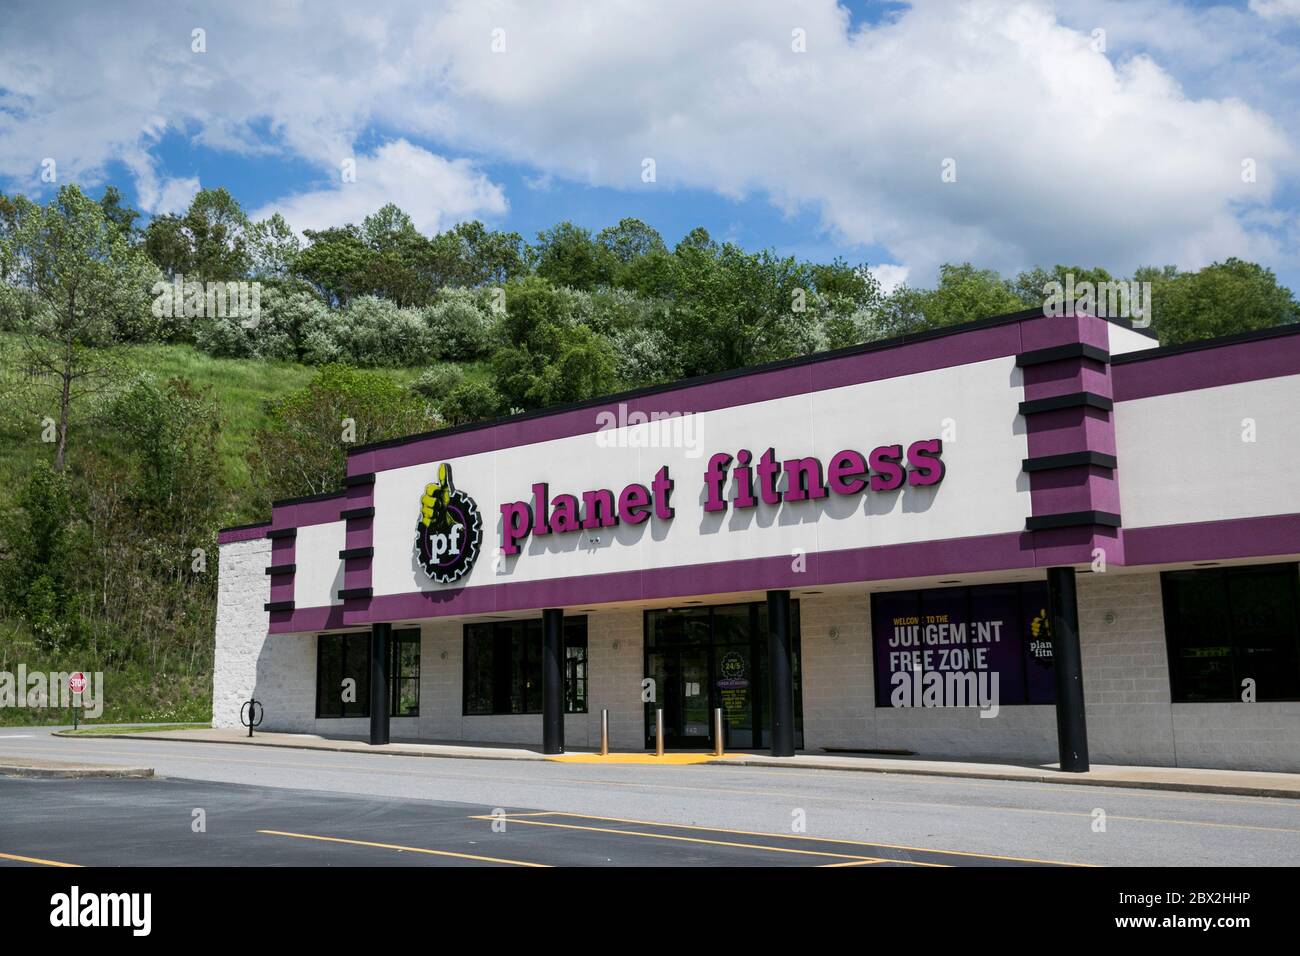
x,y
449,532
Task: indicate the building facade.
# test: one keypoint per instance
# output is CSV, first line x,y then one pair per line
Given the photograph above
x,y
1025,538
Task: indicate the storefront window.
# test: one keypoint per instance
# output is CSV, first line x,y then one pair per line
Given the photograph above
x,y
343,674
404,673
1233,631
963,647
503,667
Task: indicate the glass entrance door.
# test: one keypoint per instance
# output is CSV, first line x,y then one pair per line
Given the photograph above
x,y
681,676
702,658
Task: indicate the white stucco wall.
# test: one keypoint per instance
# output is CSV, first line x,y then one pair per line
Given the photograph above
x,y
1186,458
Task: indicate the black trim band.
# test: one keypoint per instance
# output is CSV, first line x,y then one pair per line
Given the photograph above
x,y
1059,353
278,606
1072,519
282,569
347,594
353,481
283,533
357,513
1071,459
1074,400
357,553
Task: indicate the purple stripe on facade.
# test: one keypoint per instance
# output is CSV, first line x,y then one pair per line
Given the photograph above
x,y
1070,429
1228,364
1081,488
963,348
1067,430
248,533
1045,331
299,514
283,551
1214,540
360,534
1061,546
1066,377
1010,551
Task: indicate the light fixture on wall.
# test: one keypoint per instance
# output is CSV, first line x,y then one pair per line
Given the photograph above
x,y
614,645
443,655
1110,617
834,633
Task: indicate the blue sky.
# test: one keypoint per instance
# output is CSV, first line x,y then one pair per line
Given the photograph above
x,y
1118,153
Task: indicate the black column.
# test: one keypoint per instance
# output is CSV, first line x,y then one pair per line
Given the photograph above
x,y
553,680
781,670
380,634
1071,724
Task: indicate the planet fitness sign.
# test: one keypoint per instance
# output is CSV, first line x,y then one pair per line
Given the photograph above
x,y
885,469
449,532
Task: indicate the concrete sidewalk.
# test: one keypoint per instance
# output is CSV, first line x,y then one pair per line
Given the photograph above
x,y
1239,782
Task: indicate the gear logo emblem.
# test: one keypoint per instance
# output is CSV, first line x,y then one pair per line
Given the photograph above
x,y
449,532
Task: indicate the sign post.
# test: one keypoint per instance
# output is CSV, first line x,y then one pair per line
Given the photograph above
x,y
76,684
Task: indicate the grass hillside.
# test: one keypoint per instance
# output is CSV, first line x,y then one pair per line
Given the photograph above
x,y
157,668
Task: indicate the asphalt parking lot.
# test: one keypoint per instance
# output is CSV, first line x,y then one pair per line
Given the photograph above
x,y
156,822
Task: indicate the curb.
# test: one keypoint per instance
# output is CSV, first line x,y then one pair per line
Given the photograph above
x,y
296,746
1079,780
1076,780
74,772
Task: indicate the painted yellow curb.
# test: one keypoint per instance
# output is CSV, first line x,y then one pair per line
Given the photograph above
x,y
667,760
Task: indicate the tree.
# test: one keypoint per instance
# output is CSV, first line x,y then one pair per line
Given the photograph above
x,y
1221,299
566,255
551,356
302,450
209,243
273,249
963,294
83,288
37,568
335,263
168,433
732,308
119,214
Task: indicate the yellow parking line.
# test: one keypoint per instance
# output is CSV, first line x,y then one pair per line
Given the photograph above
x,y
685,839
33,859
407,849
796,836
831,866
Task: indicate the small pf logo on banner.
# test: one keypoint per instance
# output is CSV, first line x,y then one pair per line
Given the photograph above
x,y
449,532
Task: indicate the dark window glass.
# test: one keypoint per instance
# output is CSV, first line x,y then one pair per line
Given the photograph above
x,y
1226,625
575,666
480,648
503,667
343,675
404,674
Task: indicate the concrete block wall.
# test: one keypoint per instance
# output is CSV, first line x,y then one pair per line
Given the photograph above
x,y
1126,686
242,588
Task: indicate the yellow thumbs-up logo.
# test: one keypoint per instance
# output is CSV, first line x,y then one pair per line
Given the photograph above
x,y
449,532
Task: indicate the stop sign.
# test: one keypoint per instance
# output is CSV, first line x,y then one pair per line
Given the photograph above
x,y
77,682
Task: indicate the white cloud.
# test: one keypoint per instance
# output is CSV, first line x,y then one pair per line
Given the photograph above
x,y
889,276
1276,9
1063,154
434,191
